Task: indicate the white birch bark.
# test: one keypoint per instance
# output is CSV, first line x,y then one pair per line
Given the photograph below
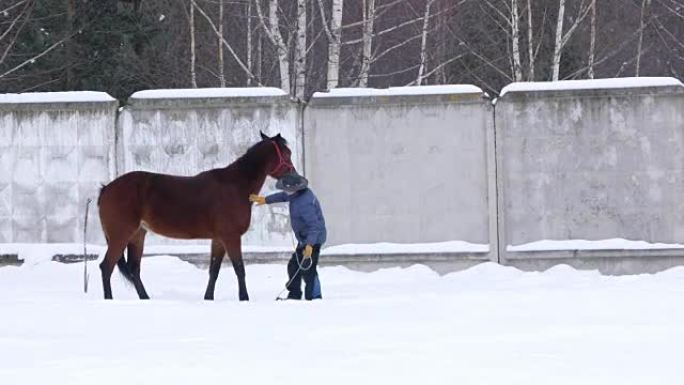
x,y
557,50
222,76
193,59
531,57
368,23
423,43
273,33
300,51
563,38
515,37
249,40
592,41
335,44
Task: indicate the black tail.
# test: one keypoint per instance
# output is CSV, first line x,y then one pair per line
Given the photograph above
x,y
123,268
99,196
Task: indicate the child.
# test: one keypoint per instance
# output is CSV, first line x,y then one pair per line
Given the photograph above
x,y
308,225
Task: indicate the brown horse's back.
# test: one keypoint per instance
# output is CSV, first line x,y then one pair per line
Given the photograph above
x,y
173,206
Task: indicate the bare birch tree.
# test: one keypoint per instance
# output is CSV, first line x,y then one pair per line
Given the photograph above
x,y
559,41
562,38
221,64
272,31
515,38
531,57
507,18
193,57
259,59
443,42
645,5
334,34
592,41
249,40
367,38
423,43
300,51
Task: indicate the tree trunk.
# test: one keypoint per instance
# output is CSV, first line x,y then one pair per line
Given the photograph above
x,y
530,43
300,51
423,43
277,38
249,41
259,55
193,73
368,21
558,47
642,26
515,36
221,64
592,40
443,39
272,32
335,44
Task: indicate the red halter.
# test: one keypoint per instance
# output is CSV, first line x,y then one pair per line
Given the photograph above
x,y
282,162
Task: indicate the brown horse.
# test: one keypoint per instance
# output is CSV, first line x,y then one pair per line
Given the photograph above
x,y
211,205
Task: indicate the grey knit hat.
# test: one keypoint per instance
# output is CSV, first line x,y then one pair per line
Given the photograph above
x,y
292,182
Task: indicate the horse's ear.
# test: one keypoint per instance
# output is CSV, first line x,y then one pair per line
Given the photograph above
x,y
263,136
277,136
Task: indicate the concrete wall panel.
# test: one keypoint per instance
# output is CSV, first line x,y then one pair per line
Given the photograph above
x,y
400,168
591,164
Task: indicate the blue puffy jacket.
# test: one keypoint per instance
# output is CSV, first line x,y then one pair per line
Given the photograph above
x,y
306,216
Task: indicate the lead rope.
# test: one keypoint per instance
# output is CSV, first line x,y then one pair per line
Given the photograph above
x,y
300,268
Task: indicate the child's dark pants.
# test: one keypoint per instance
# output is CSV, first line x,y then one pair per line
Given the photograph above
x,y
312,288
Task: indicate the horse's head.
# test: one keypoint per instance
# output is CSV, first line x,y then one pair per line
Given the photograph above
x,y
280,163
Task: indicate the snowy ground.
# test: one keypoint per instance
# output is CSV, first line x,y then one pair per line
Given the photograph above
x,y
486,325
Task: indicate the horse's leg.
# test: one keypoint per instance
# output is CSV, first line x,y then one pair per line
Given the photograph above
x,y
217,252
234,248
135,252
115,248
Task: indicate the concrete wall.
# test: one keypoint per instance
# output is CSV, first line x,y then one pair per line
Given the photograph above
x,y
411,165
394,167
184,132
55,151
591,164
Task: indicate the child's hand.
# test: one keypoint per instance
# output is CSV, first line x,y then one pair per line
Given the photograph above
x,y
308,250
259,200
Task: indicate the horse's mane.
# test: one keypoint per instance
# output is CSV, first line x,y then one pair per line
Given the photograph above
x,y
249,161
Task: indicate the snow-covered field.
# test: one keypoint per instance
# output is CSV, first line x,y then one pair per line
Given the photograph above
x,y
486,325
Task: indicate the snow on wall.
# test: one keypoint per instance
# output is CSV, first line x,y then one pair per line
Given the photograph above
x,y
592,84
180,136
56,97
237,92
53,157
583,244
399,91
